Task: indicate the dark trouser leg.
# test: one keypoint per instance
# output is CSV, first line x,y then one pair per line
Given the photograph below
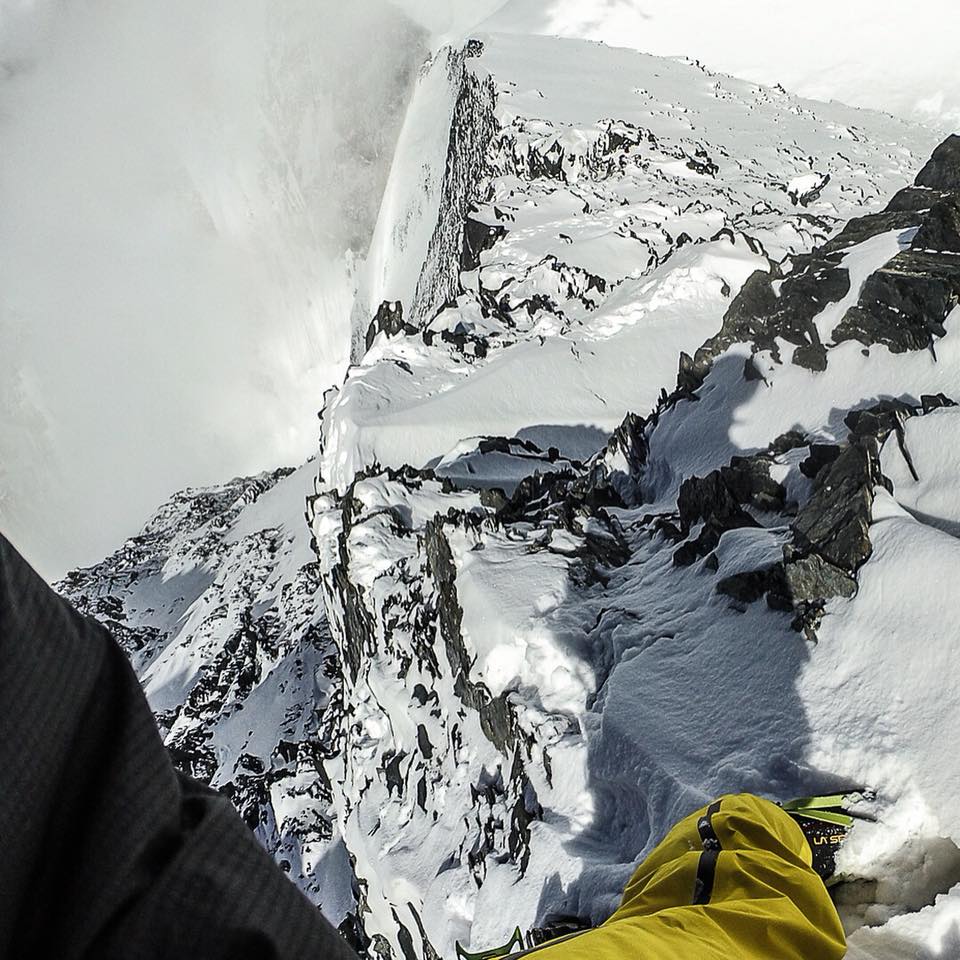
x,y
105,851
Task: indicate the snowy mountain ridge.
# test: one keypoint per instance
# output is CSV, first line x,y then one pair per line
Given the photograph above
x,y
615,386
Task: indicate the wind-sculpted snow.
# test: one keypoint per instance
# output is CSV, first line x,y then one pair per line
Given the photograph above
x,y
624,199
544,677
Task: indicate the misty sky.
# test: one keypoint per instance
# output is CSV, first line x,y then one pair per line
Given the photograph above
x,y
180,183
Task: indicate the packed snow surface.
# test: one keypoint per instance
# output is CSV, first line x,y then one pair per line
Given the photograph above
x,y
858,52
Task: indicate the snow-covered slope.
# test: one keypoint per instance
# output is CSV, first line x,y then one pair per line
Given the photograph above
x,y
536,688
217,603
729,596
641,491
606,165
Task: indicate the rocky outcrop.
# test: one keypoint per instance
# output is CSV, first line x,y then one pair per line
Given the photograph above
x,y
387,320
472,128
942,170
902,305
396,545
716,503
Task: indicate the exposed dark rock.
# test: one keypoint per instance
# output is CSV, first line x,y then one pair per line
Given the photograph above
x,y
472,128
914,198
389,320
393,776
791,440
526,810
936,401
496,715
515,447
940,231
749,480
478,237
627,446
743,322
904,304
702,163
831,532
622,136
942,170
708,498
860,229
717,501
750,586
759,316
806,197
494,499
405,938
358,624
429,951
497,719
821,455
877,421
423,742
422,697
811,578
810,581
811,356
835,521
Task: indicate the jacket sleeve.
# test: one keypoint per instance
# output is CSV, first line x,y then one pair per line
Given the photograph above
x,y
732,881
105,850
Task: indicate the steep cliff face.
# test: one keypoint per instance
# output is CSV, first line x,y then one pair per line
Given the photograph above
x,y
414,254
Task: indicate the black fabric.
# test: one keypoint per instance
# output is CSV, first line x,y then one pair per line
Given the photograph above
x,y
707,865
105,850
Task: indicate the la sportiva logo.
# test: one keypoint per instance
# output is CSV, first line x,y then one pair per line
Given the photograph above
x,y
832,838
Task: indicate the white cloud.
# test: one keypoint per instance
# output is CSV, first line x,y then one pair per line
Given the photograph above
x,y
178,182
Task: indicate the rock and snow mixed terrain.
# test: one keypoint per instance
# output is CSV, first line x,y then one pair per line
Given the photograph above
x,y
641,489
217,602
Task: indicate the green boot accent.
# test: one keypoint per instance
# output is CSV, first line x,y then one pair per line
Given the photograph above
x,y
514,944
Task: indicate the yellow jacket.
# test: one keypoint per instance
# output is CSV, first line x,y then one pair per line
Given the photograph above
x,y
730,882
